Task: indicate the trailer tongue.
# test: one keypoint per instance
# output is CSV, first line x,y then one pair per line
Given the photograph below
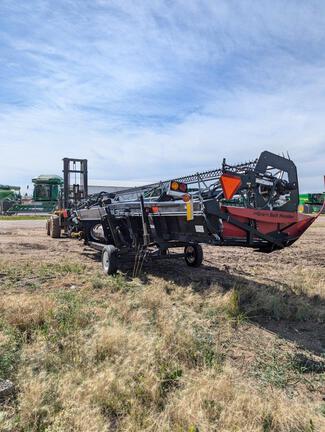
x,y
252,204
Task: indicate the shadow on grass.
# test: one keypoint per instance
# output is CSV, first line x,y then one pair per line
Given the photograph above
x,y
275,307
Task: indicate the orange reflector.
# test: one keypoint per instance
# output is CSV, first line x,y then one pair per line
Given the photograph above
x,y
155,209
230,185
186,197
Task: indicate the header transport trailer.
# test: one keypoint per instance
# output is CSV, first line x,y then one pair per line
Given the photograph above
x,y
253,205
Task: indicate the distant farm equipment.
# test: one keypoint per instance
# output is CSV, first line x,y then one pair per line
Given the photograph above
x,y
53,193
46,194
74,191
9,196
253,204
311,202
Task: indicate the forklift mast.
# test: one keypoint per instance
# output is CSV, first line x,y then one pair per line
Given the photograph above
x,y
75,186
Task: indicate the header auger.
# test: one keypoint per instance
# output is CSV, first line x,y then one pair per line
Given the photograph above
x,y
253,204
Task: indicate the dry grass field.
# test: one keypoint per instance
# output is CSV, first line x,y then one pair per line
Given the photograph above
x,y
237,345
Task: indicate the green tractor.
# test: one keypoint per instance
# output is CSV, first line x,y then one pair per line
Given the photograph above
x,y
9,196
46,195
311,202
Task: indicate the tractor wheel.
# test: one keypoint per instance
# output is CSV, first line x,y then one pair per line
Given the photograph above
x,y
109,259
193,255
55,229
48,231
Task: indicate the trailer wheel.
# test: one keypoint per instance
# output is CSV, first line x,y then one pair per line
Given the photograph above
x,y
55,229
48,232
109,259
193,255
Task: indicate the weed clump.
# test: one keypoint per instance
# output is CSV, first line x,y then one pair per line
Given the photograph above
x,y
26,312
60,269
10,344
233,308
115,283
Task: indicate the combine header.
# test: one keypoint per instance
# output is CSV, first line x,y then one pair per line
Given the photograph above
x,y
252,205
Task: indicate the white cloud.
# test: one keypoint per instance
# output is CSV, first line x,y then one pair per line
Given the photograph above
x,y
157,89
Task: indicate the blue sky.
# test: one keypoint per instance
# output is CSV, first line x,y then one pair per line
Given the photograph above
x,y
155,89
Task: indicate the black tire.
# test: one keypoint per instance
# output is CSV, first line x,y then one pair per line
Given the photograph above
x,y
193,255
48,231
109,260
55,229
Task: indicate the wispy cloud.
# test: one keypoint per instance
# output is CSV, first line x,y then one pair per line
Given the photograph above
x,y
155,89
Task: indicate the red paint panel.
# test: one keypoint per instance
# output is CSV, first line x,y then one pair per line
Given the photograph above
x,y
264,215
267,221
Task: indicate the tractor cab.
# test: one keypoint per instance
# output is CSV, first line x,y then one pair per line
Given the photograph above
x,y
47,188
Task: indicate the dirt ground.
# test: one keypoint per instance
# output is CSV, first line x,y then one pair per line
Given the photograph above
x,y
286,271
275,303
297,271
29,238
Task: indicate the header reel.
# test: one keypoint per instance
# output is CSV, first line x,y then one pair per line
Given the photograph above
x,y
271,184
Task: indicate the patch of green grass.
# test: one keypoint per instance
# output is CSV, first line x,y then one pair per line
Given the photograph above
x,y
269,302
68,312
68,317
270,426
99,283
283,369
205,353
268,423
213,409
63,331
114,283
9,350
193,429
322,409
306,364
233,308
14,273
141,392
193,347
170,376
273,374
273,369
31,275
60,269
120,283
